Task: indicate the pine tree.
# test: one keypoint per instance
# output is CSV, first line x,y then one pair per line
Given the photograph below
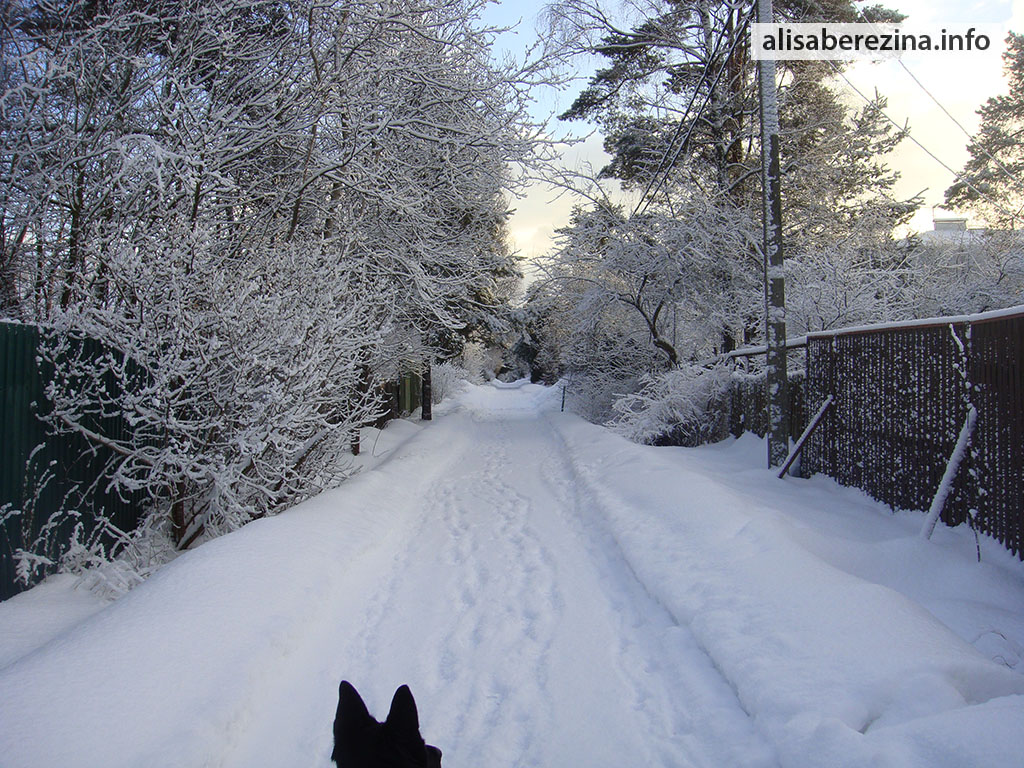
x,y
678,107
679,95
991,183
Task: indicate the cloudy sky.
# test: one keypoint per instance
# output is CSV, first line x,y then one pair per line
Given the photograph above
x,y
960,84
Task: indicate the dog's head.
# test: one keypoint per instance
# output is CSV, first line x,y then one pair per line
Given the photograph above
x,y
362,742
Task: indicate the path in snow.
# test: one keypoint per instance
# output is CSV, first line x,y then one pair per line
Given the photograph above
x,y
526,638
538,644
555,597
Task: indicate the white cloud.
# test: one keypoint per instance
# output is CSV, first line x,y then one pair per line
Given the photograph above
x,y
541,209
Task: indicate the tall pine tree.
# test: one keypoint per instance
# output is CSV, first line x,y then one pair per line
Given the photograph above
x,y
992,182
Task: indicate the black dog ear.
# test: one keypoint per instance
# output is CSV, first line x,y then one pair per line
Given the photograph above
x,y
403,719
353,728
351,709
352,723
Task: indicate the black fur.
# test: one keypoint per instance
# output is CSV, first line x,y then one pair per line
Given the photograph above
x,y
362,742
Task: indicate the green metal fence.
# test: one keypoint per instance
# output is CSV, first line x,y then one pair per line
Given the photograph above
x,y
52,484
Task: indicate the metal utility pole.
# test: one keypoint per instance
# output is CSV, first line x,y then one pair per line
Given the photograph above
x,y
774,279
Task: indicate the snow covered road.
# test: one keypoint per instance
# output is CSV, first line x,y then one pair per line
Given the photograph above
x,y
555,597
540,643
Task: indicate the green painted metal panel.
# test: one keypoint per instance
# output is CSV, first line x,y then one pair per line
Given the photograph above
x,y
22,432
45,475
409,392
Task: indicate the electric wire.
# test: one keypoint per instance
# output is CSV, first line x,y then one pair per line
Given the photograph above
x,y
1003,168
1009,174
664,168
958,176
679,129
665,165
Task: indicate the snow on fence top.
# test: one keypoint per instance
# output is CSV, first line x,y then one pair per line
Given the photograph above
x,y
980,317
801,341
760,349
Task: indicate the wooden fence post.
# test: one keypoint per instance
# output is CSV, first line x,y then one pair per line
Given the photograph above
x,y
426,395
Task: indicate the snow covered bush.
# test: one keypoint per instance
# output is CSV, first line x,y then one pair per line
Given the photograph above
x,y
138,554
685,406
446,379
252,386
473,362
481,361
477,364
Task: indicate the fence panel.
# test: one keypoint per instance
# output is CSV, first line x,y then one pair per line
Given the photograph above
x,y
44,475
901,397
997,369
21,432
748,405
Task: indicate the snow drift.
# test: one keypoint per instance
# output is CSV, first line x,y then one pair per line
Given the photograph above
x,y
554,595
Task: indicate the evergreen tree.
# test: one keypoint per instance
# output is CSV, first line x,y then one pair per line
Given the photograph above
x,y
991,180
679,96
678,107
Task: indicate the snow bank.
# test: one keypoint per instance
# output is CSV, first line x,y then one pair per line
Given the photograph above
x,y
555,596
160,676
31,619
837,670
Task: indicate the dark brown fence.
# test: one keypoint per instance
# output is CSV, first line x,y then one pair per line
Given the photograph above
x,y
902,394
748,405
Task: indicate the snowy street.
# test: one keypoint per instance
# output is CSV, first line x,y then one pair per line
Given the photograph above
x,y
555,596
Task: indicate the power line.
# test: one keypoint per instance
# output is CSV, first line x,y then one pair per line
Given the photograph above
x,y
1003,168
672,141
665,168
959,125
937,102
958,176
665,165
642,202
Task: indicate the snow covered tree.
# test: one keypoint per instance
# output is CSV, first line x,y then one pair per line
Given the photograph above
x,y
990,183
677,104
679,110
641,294
263,206
961,273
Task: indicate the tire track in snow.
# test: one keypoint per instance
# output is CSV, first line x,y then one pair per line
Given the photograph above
x,y
691,707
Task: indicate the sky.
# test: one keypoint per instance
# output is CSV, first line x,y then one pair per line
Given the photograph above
x,y
959,85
